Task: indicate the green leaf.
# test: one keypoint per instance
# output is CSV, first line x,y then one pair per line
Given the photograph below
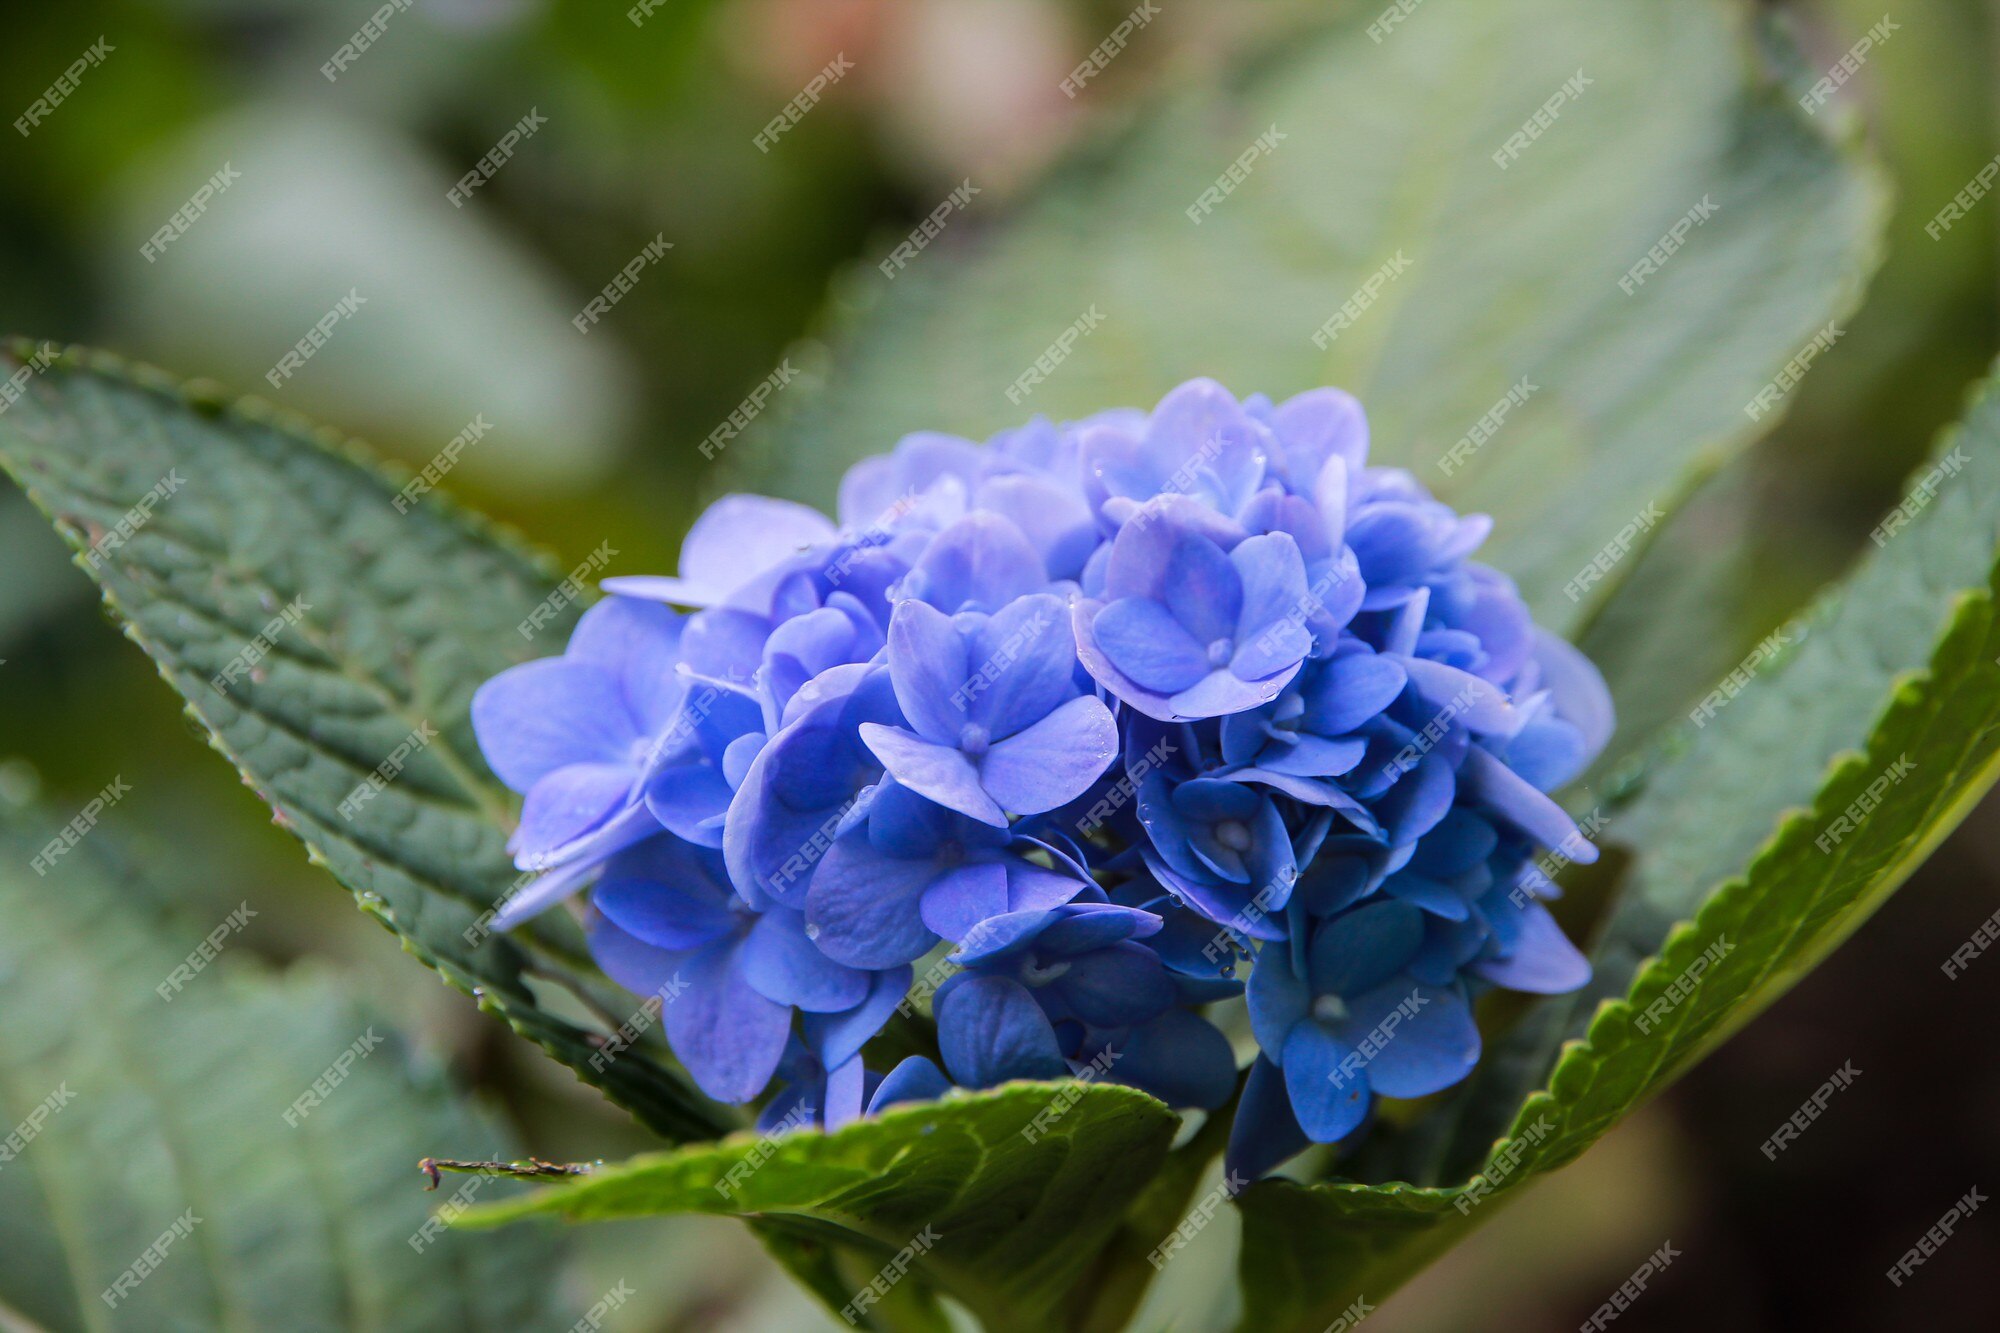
x,y
1005,1196
137,1110
1388,150
1886,715
242,526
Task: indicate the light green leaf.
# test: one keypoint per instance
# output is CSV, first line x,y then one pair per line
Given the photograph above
x,y
999,1199
1510,274
213,527
130,1111
1768,836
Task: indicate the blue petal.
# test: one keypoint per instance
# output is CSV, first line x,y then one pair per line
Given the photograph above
x,y
838,1038
541,716
915,1079
1350,689
1116,985
1178,1057
1433,1045
784,965
1052,762
1264,1133
962,897
1278,999
1204,587
1271,633
569,803
1359,950
1149,645
1538,957
736,538
927,663
1491,784
729,1036
1328,1106
864,907
980,563
940,772
991,1030
1023,665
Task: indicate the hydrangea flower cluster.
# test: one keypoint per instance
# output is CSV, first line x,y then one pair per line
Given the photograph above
x,y
1103,722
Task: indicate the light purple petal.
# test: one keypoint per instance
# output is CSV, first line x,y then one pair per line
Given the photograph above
x,y
1054,761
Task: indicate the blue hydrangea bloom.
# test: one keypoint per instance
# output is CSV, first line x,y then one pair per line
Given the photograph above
x,y
1113,721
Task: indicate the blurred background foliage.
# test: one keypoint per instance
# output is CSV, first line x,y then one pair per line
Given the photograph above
x,y
596,438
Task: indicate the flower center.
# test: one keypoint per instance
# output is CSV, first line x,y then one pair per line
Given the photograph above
x,y
1036,974
1219,653
1330,1009
1233,834
973,739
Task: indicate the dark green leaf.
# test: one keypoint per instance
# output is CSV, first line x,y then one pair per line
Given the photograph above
x,y
239,527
